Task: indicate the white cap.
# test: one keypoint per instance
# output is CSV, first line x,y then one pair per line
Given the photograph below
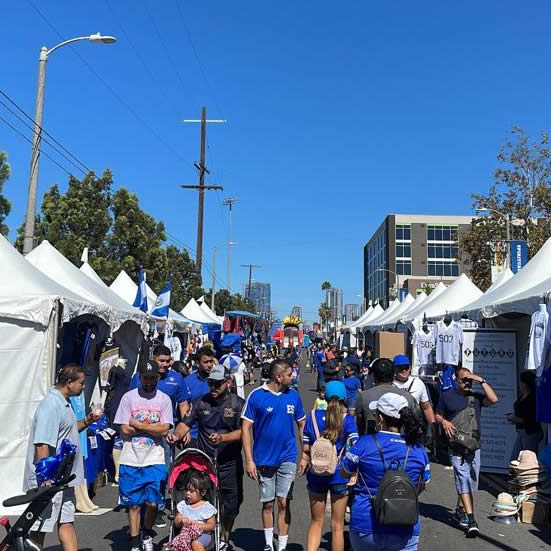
x,y
389,404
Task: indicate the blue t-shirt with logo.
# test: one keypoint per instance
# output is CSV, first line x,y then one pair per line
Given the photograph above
x,y
197,387
319,358
349,436
172,385
273,415
352,385
364,458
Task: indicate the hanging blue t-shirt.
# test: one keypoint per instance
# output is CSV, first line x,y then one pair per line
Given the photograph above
x,y
172,385
543,394
364,458
196,388
349,436
352,385
273,415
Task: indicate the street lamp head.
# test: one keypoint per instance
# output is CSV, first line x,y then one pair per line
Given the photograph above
x,y
98,38
482,209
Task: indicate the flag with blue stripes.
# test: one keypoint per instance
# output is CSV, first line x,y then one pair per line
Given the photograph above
x,y
162,304
141,294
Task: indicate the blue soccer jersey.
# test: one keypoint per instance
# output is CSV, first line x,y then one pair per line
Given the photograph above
x,y
273,415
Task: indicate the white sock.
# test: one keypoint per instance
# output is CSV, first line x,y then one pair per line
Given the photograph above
x,y
282,542
269,536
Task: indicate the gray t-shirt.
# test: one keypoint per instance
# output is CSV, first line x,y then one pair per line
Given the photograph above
x,y
364,415
53,422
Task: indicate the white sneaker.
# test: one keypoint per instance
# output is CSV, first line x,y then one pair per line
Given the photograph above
x,y
135,549
147,543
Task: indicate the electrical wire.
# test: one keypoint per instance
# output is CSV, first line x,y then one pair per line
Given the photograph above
x,y
142,121
85,171
30,141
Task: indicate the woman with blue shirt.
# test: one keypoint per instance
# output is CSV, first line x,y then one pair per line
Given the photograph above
x,y
340,428
397,429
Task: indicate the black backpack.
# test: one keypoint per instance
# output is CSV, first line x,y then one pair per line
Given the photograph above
x,y
396,501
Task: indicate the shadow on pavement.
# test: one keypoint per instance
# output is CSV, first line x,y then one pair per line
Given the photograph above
x,y
435,512
496,543
247,538
118,538
544,533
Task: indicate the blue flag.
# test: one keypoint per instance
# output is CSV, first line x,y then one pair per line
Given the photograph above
x,y
160,308
141,295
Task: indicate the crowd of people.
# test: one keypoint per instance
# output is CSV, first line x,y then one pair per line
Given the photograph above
x,y
365,445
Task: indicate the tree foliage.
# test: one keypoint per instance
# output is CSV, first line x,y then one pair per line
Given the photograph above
x,y
224,302
5,205
522,190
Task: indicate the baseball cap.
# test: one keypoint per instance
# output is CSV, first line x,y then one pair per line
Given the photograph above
x,y
400,360
389,404
151,369
335,389
217,373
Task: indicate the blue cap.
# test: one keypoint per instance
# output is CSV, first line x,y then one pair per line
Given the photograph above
x,y
401,359
335,389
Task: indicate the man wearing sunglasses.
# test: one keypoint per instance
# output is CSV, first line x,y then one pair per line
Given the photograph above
x,y
217,416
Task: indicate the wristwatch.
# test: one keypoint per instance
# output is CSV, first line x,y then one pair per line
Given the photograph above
x,y
484,381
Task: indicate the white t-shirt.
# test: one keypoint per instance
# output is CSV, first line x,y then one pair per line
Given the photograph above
x,y
238,375
536,344
449,339
418,389
424,348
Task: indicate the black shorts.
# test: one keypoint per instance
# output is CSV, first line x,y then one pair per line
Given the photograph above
x,y
231,487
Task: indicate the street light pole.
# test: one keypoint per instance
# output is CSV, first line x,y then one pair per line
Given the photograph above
x,y
28,237
229,202
507,217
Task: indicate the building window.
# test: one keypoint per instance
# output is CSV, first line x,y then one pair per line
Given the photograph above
x,y
403,267
442,233
441,250
403,250
443,268
403,232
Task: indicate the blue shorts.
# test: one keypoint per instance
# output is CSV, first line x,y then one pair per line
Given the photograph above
x,y
321,487
138,485
351,403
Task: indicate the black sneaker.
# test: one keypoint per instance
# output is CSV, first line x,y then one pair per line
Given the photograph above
x,y
472,529
160,521
461,517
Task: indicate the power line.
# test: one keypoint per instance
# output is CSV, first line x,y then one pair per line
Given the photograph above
x,y
84,170
142,121
30,141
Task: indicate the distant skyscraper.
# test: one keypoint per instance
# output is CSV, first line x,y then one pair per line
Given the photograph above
x,y
297,312
351,312
260,297
334,301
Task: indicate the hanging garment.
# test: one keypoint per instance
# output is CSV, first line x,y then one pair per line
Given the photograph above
x,y
424,345
449,339
536,343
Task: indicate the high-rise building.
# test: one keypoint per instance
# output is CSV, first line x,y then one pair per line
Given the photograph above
x,y
260,297
412,252
334,301
351,312
297,312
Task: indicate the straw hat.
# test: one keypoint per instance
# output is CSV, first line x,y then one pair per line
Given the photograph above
x,y
504,506
527,460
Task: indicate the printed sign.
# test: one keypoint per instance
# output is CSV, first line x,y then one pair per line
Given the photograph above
x,y
519,255
492,354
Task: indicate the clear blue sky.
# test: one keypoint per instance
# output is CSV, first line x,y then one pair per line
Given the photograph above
x,y
338,113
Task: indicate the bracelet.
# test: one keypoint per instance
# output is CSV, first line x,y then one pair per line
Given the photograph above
x,y
484,382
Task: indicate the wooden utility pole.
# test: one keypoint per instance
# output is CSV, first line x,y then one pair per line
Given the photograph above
x,y
250,266
201,167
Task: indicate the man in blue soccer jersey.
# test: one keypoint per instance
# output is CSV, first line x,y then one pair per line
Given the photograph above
x,y
269,418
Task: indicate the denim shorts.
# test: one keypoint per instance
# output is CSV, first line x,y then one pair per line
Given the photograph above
x,y
277,481
351,403
321,487
383,542
465,472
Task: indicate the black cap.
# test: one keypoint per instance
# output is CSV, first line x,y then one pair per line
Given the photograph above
x,y
151,369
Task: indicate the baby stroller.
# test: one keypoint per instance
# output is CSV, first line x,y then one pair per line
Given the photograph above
x,y
186,463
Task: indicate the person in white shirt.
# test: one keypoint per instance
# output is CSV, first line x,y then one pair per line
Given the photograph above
x,y
415,386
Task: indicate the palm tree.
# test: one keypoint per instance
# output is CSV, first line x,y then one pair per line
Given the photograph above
x,y
324,313
325,286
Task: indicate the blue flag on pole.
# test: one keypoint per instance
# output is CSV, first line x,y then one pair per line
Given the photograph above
x,y
141,295
160,308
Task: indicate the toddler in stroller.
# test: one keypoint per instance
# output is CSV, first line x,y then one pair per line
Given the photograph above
x,y
194,498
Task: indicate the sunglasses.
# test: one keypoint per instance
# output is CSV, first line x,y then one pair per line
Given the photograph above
x,y
215,384
465,380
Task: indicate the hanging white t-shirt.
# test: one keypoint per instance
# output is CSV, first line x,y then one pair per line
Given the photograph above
x,y
536,343
449,339
415,387
424,345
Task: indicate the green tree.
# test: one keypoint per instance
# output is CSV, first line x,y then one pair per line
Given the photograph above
x,y
5,205
225,302
522,190
324,313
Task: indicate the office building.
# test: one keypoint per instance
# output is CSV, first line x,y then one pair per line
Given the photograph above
x,y
297,312
413,252
351,312
334,301
260,297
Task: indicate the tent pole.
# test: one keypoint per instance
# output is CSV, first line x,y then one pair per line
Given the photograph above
x,y
53,345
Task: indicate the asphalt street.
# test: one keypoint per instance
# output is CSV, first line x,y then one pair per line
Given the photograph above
x,y
108,531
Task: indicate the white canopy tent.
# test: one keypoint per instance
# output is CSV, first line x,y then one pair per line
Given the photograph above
x,y
91,273
126,289
30,314
502,278
374,321
205,307
521,293
360,320
397,316
462,291
195,313
419,308
402,307
51,262
375,313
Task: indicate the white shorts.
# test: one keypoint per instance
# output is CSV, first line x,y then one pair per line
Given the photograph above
x,y
60,510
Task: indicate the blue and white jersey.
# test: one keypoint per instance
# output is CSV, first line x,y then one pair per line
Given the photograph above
x,y
538,331
273,415
449,339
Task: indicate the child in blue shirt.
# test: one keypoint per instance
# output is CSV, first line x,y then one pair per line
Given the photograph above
x,y
352,384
